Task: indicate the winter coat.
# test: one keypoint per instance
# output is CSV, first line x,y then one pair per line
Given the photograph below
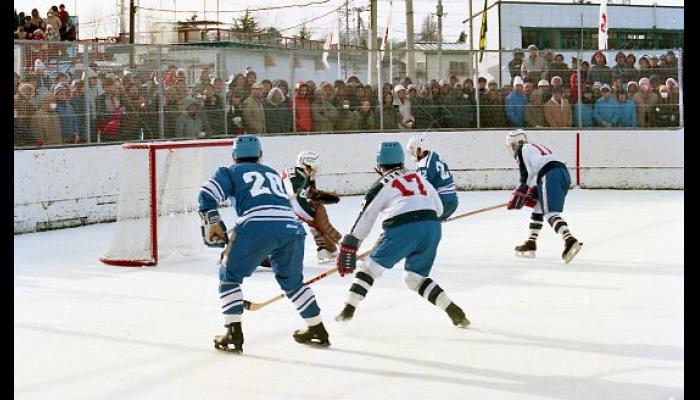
x,y
69,122
391,118
422,110
534,69
605,111
600,73
534,113
303,111
557,115
493,114
234,121
254,116
586,115
344,120
46,124
366,121
646,102
515,108
323,114
189,126
278,117
666,113
626,114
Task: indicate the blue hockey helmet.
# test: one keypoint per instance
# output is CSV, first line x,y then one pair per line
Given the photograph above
x,y
390,153
246,146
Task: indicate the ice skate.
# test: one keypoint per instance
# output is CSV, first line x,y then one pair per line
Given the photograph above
x,y
457,316
346,314
325,256
233,337
315,335
571,248
527,249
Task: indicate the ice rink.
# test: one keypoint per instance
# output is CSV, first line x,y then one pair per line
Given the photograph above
x,y
609,325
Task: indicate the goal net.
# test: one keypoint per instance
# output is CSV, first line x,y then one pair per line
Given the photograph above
x,y
157,207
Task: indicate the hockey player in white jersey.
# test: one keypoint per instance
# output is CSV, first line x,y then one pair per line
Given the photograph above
x,y
544,183
411,231
435,171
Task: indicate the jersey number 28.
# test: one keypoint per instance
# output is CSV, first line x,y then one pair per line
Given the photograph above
x,y
265,184
410,178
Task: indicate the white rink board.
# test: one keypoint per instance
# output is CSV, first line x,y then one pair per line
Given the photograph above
x,y
80,184
607,326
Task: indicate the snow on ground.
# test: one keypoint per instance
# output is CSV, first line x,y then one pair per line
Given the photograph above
x,y
607,326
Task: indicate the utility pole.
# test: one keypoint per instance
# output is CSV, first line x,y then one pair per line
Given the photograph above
x,y
347,34
372,44
439,54
132,30
410,54
358,10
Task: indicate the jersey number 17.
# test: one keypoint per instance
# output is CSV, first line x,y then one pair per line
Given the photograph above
x,y
412,179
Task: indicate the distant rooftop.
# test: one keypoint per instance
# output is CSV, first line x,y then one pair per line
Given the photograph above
x,y
445,47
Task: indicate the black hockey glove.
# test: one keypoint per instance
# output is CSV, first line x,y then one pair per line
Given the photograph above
x,y
347,258
213,229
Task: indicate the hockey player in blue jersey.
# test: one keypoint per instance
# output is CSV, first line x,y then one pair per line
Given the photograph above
x,y
436,172
544,183
411,231
266,225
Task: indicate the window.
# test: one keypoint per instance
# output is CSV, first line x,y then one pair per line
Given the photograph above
x,y
570,39
459,68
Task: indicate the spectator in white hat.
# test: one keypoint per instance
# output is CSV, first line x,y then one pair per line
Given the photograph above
x,y
534,66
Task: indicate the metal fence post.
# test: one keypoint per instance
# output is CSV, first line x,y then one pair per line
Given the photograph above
x,y
680,90
86,86
291,89
161,93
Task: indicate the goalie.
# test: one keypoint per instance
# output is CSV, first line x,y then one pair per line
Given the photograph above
x,y
309,202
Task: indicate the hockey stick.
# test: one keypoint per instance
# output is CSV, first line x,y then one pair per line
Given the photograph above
x,y
256,306
250,306
468,213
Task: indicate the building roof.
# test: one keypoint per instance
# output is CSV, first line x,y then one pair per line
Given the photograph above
x,y
430,47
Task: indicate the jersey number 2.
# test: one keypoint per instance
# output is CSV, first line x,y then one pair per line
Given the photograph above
x,y
409,178
273,182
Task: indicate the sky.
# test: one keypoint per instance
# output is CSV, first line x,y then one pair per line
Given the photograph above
x,y
101,18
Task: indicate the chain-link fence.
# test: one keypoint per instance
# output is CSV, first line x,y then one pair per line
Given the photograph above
x,y
77,92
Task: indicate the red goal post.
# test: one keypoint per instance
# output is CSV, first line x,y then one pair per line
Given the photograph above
x,y
158,187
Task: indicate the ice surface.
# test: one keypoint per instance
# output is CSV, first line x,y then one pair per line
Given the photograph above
x,y
607,326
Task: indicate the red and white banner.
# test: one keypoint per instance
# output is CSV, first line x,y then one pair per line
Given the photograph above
x,y
603,26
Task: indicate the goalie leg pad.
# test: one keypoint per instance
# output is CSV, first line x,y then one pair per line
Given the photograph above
x,y
324,226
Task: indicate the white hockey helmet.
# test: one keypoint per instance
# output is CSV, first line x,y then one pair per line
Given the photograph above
x,y
416,142
310,159
516,137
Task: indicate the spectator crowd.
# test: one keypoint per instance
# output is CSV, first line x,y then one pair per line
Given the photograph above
x,y
55,26
123,105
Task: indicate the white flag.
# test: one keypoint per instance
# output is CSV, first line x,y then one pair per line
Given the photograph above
x,y
603,26
331,39
385,37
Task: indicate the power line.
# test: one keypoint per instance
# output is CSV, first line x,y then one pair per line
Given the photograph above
x,y
313,3
310,20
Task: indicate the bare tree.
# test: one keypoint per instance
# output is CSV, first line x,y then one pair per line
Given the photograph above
x,y
428,30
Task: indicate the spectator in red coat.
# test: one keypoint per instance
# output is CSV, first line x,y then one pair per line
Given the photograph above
x,y
303,100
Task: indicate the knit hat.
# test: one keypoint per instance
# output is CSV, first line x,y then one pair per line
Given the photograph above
x,y
38,64
671,81
542,82
517,80
644,81
605,87
630,83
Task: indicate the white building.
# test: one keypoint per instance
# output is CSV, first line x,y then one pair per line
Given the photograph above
x,y
557,27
